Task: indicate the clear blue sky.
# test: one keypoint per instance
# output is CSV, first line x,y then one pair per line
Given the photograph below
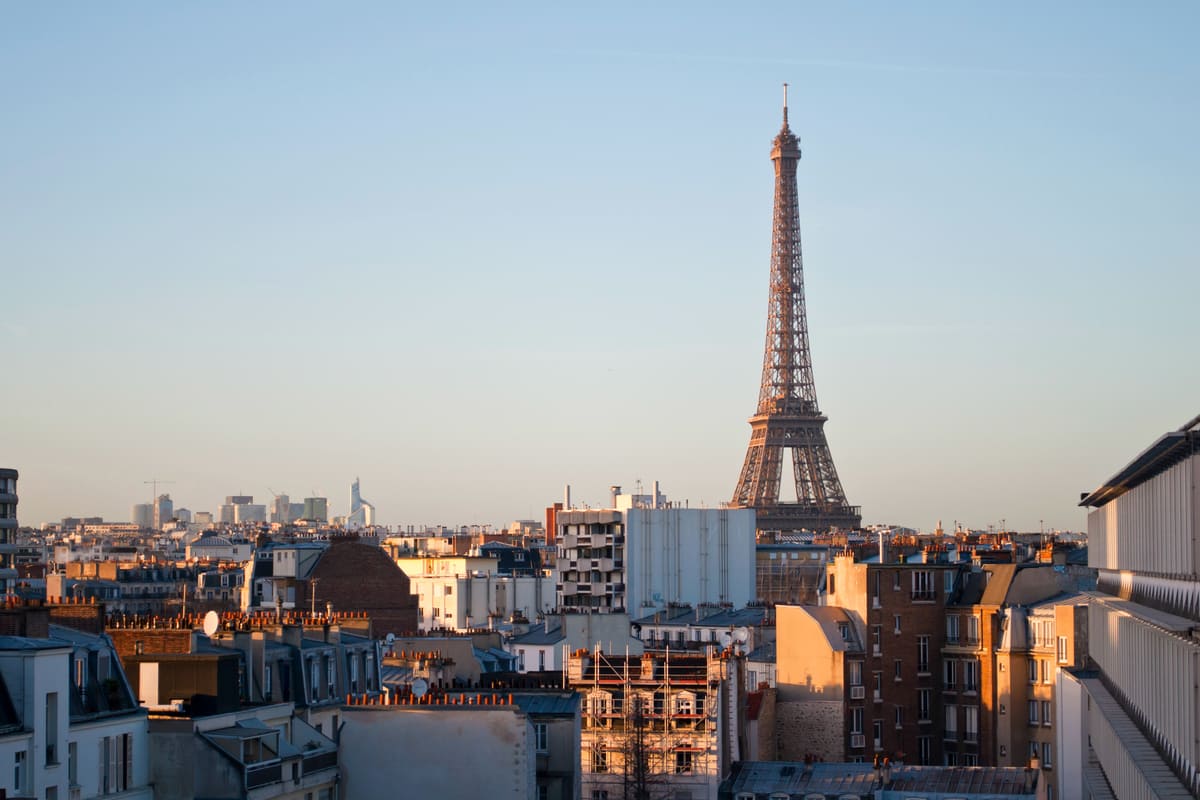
x,y
473,253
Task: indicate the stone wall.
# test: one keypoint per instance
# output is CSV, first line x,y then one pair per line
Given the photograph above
x,y
810,728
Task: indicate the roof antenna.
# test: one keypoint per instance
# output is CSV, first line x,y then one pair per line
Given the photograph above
x,y
785,122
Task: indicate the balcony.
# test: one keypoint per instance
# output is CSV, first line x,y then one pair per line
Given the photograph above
x,y
924,595
320,761
857,741
262,774
858,692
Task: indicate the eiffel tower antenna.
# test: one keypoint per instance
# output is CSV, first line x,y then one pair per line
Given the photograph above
x,y
787,417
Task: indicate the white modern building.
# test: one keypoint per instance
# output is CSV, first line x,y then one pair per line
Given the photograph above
x,y
1141,710
640,556
465,602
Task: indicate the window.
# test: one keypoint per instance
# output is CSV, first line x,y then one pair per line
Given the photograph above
x,y
923,705
878,685
831,584
1047,671
856,720
1033,670
521,659
541,660
600,794
899,669
1047,755
971,730
951,721
314,674
924,749
331,675
854,670
951,628
972,629
948,576
19,770
539,736
923,653
267,682
683,761
599,761
949,667
72,763
970,760
1046,713
1033,712
685,703
81,674
1062,650
899,715
896,580
922,585
877,733
971,675
895,623
116,763
51,728
876,639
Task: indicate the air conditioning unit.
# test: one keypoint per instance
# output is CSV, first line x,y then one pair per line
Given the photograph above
x,y
858,692
858,741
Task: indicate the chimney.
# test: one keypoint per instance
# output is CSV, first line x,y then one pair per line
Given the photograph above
x,y
567,497
613,492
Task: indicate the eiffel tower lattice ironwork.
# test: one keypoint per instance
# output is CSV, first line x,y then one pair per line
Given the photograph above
x,y
788,418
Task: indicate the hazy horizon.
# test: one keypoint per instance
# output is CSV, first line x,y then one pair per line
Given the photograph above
x,y
473,257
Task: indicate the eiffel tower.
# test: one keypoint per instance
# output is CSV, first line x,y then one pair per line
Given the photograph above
x,y
787,418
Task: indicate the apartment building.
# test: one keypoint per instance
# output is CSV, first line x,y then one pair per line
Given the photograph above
x,y
636,559
871,657
1140,708
69,724
657,724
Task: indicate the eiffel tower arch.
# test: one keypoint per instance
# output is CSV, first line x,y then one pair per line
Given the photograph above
x,y
788,421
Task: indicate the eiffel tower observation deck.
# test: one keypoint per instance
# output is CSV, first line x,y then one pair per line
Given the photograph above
x,y
788,420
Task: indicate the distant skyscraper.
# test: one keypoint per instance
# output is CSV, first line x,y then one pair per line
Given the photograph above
x,y
362,513
249,512
142,515
228,510
8,513
316,509
183,515
164,511
281,509
295,511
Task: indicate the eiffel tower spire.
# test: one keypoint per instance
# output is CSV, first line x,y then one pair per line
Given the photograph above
x,y
787,417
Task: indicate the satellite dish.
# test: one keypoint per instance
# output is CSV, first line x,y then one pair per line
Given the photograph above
x,y
726,640
419,687
211,623
741,635
390,639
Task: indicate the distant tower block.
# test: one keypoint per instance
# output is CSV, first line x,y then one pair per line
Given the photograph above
x,y
788,418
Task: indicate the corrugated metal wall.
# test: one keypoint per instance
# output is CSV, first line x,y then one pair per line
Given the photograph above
x,y
1151,528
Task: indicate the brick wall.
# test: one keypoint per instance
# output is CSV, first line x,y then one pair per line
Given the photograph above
x,y
362,578
154,641
87,618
